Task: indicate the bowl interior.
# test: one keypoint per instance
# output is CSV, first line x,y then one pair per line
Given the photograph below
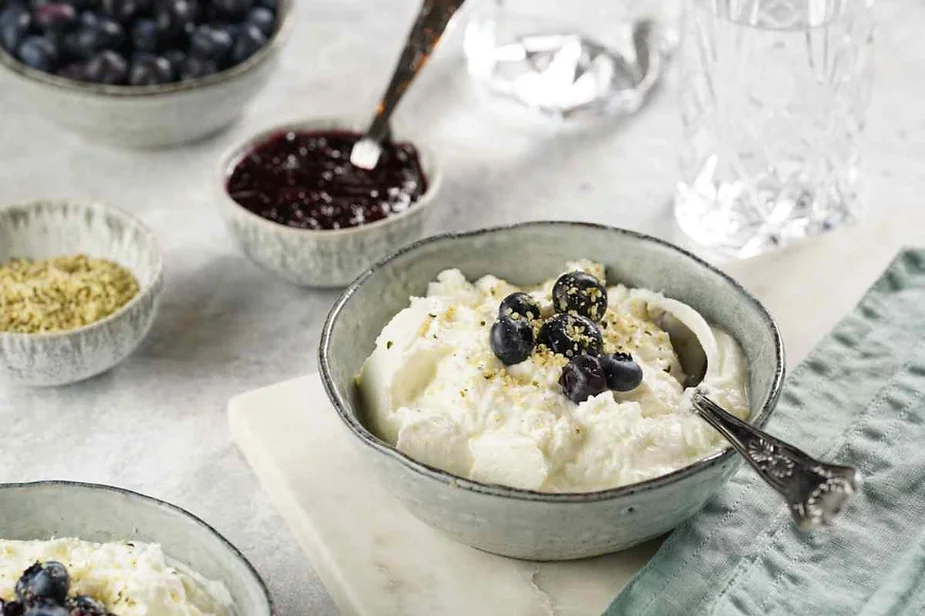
x,y
530,253
44,229
42,511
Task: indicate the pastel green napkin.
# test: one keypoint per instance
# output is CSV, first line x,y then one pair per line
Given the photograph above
x,y
858,399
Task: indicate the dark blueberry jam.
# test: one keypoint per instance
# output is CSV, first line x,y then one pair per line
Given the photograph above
x,y
305,180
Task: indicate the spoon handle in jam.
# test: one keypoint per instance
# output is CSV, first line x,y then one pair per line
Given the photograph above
x,y
816,492
431,23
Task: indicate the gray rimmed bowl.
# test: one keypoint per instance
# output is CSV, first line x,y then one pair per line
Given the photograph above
x,y
43,229
310,258
523,523
147,116
64,509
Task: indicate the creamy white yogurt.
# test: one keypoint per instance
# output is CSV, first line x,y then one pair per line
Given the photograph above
x,y
434,389
130,579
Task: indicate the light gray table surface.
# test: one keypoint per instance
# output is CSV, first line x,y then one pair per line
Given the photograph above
x,y
157,423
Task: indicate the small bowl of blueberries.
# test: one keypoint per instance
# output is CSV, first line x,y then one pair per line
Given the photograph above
x,y
140,73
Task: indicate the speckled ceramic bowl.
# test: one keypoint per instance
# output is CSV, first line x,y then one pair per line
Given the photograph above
x,y
320,258
147,116
523,523
58,509
43,229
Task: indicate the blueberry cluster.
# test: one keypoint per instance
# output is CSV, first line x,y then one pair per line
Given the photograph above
x,y
580,301
43,591
135,42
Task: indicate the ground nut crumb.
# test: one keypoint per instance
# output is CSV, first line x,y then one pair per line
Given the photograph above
x,y
62,293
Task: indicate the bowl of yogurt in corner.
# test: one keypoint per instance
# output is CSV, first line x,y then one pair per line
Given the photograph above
x,y
132,554
572,436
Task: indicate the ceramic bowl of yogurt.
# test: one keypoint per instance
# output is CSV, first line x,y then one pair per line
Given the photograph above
x,y
498,454
132,553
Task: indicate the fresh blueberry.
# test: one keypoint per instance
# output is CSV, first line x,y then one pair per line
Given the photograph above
x,y
90,18
144,35
623,374
85,5
39,53
571,335
210,44
34,4
580,293
11,608
75,71
88,40
519,305
176,59
273,5
107,67
46,609
150,71
122,10
46,581
248,42
194,68
56,17
233,8
14,25
175,18
582,378
231,29
511,340
82,605
263,18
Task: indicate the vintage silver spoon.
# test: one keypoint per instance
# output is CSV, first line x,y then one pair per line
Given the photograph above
x,y
431,23
815,491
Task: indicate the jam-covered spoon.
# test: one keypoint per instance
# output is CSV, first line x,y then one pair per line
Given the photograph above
x,y
431,23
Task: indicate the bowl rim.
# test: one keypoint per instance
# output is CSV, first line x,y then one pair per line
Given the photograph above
x,y
370,440
433,173
152,287
158,503
275,41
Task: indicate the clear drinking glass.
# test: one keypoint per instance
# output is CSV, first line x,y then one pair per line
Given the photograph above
x,y
569,58
773,99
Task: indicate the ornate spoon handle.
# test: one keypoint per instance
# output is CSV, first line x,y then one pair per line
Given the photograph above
x,y
816,492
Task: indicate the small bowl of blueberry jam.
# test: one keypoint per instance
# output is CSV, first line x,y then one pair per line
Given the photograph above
x,y
142,73
297,206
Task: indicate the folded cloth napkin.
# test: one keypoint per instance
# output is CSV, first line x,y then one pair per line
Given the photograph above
x,y
858,399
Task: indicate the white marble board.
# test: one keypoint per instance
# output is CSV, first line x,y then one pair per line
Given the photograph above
x,y
377,560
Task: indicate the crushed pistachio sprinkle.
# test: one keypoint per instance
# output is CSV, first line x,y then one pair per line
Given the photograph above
x,y
62,293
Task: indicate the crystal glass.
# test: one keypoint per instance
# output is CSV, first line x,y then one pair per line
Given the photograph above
x,y
569,58
773,97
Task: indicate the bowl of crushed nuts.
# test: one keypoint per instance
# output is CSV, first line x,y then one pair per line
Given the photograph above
x,y
79,288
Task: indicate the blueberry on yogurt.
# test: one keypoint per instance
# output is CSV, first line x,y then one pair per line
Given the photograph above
x,y
622,372
511,340
571,335
47,581
519,305
47,609
580,293
11,608
582,378
82,605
